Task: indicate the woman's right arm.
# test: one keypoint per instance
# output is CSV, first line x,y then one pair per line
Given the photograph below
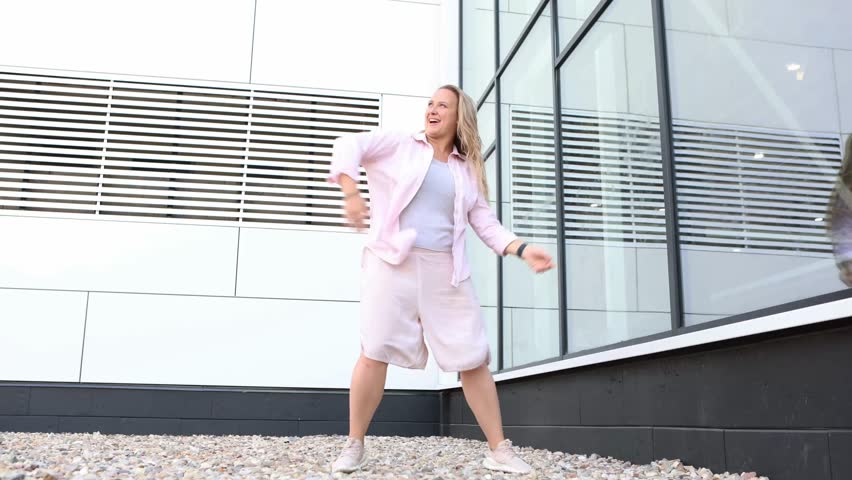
x,y
349,153
354,207
354,150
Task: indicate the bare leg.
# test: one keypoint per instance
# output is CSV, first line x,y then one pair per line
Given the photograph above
x,y
481,394
365,393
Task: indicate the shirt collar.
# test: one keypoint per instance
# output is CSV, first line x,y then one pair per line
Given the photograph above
x,y
421,136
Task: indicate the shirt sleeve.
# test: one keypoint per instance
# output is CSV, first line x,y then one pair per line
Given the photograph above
x,y
484,222
352,151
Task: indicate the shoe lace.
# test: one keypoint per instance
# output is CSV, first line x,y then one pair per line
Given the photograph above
x,y
505,450
351,449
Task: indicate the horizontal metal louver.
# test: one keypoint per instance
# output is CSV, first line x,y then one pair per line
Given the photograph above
x,y
613,178
120,147
532,173
748,188
737,187
611,169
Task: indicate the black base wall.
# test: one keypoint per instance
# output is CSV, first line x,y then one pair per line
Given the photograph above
x,y
779,404
76,408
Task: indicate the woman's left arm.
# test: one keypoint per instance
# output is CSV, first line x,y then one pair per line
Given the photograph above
x,y
484,222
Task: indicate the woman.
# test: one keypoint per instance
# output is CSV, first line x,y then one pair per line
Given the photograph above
x,y
424,190
839,217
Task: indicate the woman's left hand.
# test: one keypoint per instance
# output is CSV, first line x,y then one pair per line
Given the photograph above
x,y
537,258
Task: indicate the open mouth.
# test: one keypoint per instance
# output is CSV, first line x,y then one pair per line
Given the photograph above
x,y
434,121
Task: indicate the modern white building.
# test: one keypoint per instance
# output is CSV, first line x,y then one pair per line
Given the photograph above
x,y
173,260
164,184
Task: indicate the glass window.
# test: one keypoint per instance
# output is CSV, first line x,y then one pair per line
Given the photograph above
x,y
483,266
572,14
514,16
615,233
530,315
478,63
487,120
760,110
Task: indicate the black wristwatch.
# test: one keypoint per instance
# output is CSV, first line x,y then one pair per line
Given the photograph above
x,y
520,251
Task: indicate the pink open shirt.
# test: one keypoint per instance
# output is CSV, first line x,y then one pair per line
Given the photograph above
x,y
396,164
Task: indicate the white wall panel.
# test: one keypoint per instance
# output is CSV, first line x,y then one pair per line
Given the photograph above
x,y
478,45
595,76
483,266
820,23
519,6
448,50
700,16
641,71
630,12
404,113
299,265
691,319
42,335
761,281
204,39
511,26
189,340
745,82
652,279
528,78
368,45
590,329
508,325
534,335
601,278
843,70
117,256
524,288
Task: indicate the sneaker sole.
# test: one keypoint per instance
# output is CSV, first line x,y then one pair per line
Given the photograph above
x,y
350,470
492,465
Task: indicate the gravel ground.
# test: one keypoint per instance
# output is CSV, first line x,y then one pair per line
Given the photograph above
x,y
52,456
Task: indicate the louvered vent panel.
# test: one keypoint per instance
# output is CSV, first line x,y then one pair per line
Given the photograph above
x,y
52,134
737,187
754,189
532,173
123,148
613,178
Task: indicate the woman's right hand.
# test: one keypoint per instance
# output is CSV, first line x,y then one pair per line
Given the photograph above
x,y
356,212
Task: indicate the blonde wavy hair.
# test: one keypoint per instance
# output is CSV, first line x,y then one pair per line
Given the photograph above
x,y
467,140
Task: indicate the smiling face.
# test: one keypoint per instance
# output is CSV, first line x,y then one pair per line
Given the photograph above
x,y
442,114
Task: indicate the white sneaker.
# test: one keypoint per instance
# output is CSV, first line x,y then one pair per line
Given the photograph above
x,y
351,458
504,459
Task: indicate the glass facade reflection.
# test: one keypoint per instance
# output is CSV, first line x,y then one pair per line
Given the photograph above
x,y
748,156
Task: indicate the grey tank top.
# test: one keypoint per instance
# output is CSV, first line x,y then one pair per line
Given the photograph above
x,y
430,212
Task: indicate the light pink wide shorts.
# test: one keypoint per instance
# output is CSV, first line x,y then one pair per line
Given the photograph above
x,y
402,303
